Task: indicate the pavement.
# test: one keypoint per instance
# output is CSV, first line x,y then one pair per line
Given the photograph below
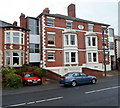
x,y
49,85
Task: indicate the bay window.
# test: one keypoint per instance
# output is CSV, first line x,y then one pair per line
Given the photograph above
x,y
7,37
92,57
14,58
14,37
71,57
91,41
70,40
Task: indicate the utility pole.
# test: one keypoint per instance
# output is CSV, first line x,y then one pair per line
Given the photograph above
x,y
104,51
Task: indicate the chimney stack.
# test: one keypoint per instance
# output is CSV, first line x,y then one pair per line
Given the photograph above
x,y
22,20
71,10
46,10
15,23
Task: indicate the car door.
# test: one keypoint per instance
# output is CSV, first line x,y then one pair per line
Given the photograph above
x,y
78,78
85,78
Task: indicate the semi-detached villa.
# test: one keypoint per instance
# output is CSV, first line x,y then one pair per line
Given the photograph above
x,y
56,42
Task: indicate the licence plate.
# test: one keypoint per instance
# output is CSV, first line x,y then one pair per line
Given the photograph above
x,y
34,82
61,78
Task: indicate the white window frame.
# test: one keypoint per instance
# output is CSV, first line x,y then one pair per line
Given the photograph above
x,y
91,41
89,27
11,58
70,26
51,60
11,37
69,39
69,53
50,23
92,57
51,33
16,36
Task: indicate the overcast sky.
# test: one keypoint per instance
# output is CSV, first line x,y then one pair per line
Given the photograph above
x,y
103,11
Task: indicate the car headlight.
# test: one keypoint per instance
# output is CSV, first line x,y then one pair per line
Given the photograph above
x,y
38,79
29,80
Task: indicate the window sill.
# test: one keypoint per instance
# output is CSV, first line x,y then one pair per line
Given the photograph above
x,y
51,45
51,60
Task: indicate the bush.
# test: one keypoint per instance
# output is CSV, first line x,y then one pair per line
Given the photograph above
x,y
10,79
41,72
13,81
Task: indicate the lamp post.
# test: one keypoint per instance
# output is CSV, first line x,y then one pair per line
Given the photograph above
x,y
104,51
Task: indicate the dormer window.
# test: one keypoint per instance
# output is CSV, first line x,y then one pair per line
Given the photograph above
x,y
69,24
90,27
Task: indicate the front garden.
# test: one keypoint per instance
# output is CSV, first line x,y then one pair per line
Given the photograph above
x,y
11,76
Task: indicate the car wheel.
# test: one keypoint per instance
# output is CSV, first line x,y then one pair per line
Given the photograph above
x,y
93,81
73,83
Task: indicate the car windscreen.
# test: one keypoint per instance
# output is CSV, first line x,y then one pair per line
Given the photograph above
x,y
30,75
68,74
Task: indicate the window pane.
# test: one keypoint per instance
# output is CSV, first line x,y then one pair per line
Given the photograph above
x,y
111,32
50,22
8,37
89,42
89,57
90,27
32,48
67,56
37,48
50,55
15,58
34,26
22,38
93,41
94,57
69,25
72,39
7,60
15,37
73,57
111,45
66,40
51,39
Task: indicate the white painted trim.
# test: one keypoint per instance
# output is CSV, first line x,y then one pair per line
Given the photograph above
x,y
51,33
71,29
51,17
69,21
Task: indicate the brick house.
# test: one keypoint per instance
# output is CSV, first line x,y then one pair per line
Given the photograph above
x,y
70,44
14,45
63,43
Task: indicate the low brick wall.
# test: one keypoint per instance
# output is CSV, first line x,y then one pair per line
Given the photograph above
x,y
93,72
52,75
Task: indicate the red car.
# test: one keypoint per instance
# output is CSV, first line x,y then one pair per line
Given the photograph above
x,y
30,78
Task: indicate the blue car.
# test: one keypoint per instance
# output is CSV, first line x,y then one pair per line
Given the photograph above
x,y
74,78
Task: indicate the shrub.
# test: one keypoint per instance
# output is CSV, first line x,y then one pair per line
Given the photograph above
x,y
10,79
41,72
13,81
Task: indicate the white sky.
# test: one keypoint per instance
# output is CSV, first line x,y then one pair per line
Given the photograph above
x,y
103,11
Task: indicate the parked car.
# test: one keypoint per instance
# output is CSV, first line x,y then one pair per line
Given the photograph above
x,y
74,78
30,78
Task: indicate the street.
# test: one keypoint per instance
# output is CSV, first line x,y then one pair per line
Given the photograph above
x,y
104,93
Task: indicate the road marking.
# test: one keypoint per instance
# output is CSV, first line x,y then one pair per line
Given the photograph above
x,y
17,104
33,102
30,103
40,101
54,98
101,90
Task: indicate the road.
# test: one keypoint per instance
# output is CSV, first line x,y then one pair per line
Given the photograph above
x,y
104,93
